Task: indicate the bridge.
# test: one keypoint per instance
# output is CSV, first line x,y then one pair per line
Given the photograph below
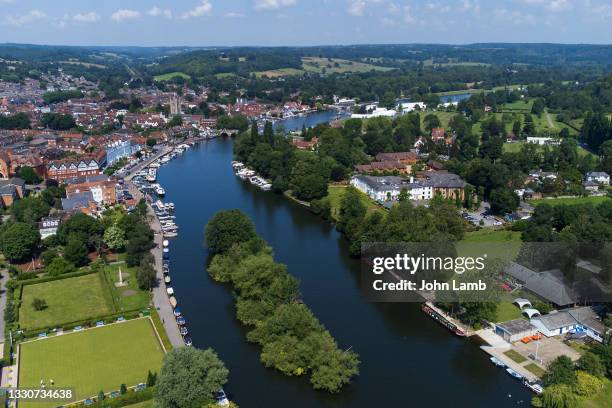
x,y
228,132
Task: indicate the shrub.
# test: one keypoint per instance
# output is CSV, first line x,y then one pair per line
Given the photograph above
x,y
587,384
39,304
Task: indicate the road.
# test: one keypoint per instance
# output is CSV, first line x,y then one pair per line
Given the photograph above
x,y
160,296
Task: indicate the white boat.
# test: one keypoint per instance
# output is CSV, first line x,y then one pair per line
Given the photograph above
x,y
172,301
170,291
165,243
167,279
266,186
170,234
534,386
160,191
514,373
155,165
497,362
152,175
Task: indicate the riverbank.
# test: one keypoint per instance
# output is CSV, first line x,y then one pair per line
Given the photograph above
x,y
202,182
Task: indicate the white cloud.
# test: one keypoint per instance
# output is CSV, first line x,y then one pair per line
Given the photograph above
x,y
273,4
157,12
202,9
125,14
515,17
560,5
408,18
19,20
90,17
358,7
233,14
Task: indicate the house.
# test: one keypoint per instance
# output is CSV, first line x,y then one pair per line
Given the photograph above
x,y
590,186
62,170
539,140
102,188
514,330
438,134
302,144
599,177
548,285
11,190
448,185
79,202
575,320
400,162
48,226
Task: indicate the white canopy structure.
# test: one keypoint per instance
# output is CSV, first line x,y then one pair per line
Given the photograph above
x,y
532,312
522,302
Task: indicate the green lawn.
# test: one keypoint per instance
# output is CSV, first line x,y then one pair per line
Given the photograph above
x,y
170,75
572,200
506,311
492,235
522,105
337,66
68,300
496,244
514,356
128,297
516,147
335,196
444,117
92,360
281,72
535,369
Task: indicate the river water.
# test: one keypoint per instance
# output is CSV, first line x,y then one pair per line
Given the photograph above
x,y
408,360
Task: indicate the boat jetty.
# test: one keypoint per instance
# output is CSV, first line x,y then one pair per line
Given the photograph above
x,y
248,174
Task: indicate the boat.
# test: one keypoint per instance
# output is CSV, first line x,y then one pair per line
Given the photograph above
x,y
184,331
442,320
170,234
188,341
533,386
165,243
221,398
167,279
266,186
170,291
160,191
152,175
177,311
155,165
513,373
497,362
181,320
173,301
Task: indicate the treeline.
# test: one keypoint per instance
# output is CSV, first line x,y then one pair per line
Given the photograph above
x,y
268,302
57,121
17,121
61,96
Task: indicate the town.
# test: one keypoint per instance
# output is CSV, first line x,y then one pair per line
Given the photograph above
x,y
198,226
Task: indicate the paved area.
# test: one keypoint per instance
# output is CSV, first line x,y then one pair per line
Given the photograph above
x,y
160,296
481,215
547,349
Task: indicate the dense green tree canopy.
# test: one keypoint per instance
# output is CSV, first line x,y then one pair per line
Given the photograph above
x,y
227,228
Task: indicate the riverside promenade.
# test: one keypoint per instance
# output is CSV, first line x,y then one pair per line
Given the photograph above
x,y
160,296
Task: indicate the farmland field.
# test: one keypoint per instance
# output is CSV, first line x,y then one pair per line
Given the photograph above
x,y
170,75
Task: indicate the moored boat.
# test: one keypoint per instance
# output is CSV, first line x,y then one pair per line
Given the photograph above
x,y
513,373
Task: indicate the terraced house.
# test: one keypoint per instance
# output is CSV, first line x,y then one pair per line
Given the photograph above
x,y
61,170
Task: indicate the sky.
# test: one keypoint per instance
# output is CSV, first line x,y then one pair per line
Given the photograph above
x,y
303,22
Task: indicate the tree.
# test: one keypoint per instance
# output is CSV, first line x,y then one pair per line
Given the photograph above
x,y
503,201
538,107
39,304
176,120
227,228
151,379
151,141
19,241
59,266
587,384
189,378
57,121
114,238
560,371
29,175
76,251
146,275
430,122
352,212
559,396
591,364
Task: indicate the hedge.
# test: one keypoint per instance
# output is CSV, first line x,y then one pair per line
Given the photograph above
x,y
129,398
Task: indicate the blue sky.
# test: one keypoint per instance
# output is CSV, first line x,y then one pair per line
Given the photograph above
x,y
303,22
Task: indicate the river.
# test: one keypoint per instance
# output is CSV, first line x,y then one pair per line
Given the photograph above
x,y
407,359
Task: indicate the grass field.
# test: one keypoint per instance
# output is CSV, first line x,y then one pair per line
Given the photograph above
x,y
170,75
522,106
506,310
128,297
338,66
444,117
67,300
571,200
335,196
277,73
514,356
535,369
92,360
516,147
492,235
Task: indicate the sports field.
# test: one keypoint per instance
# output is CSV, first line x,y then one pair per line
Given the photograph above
x,y
68,300
92,360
